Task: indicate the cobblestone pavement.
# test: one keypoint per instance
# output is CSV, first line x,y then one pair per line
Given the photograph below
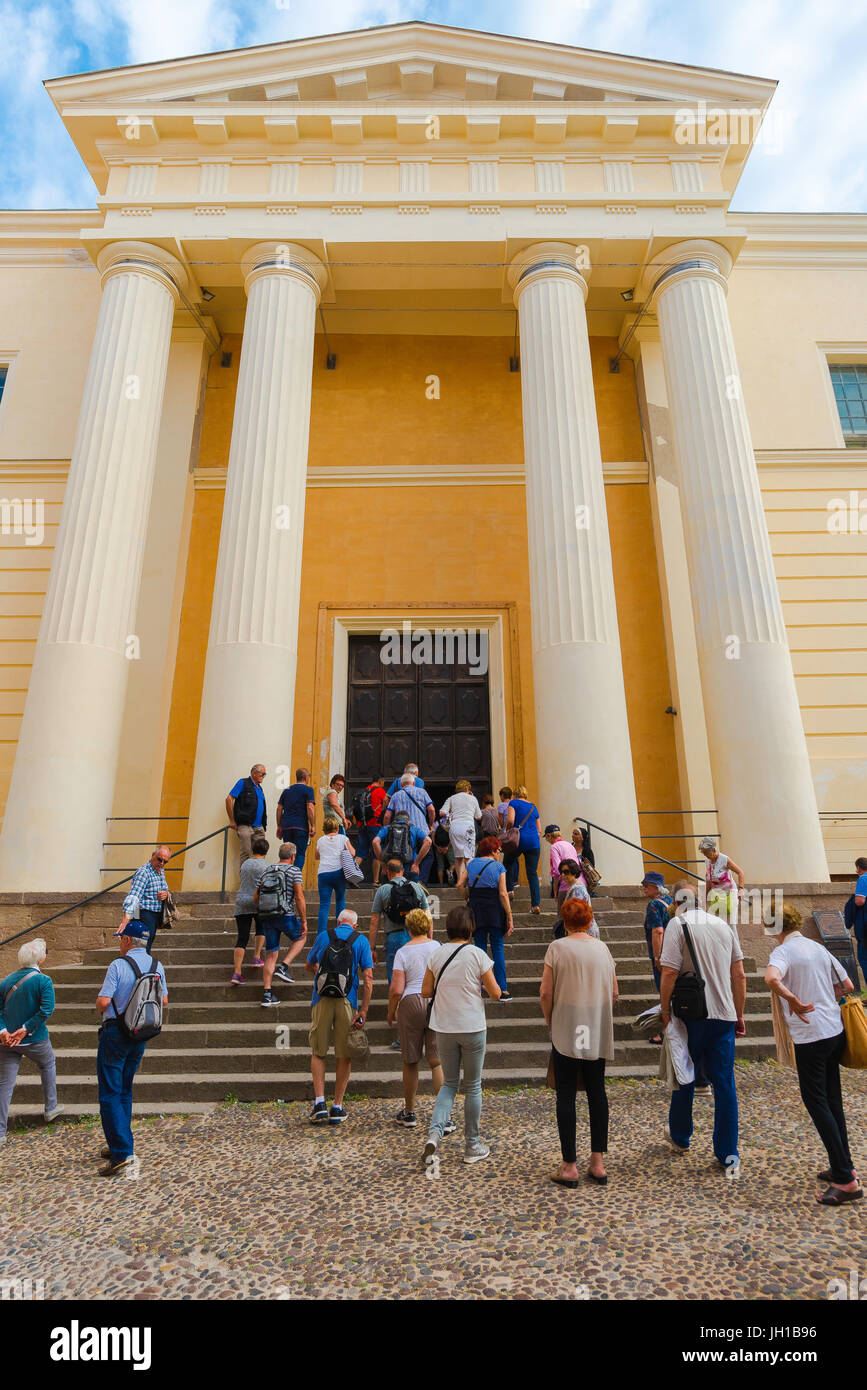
x,y
252,1202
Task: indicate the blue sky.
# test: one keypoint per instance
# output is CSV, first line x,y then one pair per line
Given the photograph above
x,y
815,160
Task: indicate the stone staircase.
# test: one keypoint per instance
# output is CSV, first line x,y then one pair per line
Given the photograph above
x,y
218,1042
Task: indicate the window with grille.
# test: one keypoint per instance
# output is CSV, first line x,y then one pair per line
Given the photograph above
x,y
850,392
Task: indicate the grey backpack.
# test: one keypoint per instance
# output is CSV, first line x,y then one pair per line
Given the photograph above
x,y
142,1019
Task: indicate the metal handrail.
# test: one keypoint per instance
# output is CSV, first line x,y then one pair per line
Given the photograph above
x,y
649,852
83,902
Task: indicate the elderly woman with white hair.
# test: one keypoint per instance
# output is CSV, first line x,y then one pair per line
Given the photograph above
x,y
722,892
26,1004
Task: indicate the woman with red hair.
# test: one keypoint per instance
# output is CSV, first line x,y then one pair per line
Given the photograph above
x,y
579,989
483,882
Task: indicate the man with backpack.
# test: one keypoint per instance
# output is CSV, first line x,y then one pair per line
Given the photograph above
x,y
412,798
367,808
340,955
246,809
280,911
131,1002
395,899
403,841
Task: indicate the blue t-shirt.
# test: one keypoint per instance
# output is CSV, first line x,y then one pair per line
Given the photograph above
x,y
529,834
294,801
656,912
485,877
395,786
861,886
362,958
260,801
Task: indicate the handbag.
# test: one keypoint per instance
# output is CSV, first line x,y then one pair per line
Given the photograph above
x,y
430,1002
592,876
688,998
511,836
351,872
855,1027
359,1045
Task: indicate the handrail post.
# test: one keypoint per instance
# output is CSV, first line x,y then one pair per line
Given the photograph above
x,y
225,851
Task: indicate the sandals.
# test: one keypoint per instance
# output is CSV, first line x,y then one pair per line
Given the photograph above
x,y
836,1196
564,1182
600,1181
827,1176
535,911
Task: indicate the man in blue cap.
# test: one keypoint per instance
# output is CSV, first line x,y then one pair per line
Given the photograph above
x,y
118,1057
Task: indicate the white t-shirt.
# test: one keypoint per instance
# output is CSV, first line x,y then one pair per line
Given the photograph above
x,y
717,948
458,1007
412,959
809,971
330,849
462,807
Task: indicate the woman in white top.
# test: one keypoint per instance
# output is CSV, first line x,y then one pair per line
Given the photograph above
x,y
463,810
406,1004
722,895
329,848
810,981
455,976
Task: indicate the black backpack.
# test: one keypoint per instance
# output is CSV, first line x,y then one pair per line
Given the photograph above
x,y
336,974
399,841
362,806
688,998
401,900
276,893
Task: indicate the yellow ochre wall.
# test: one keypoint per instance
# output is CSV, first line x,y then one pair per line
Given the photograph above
x,y
429,545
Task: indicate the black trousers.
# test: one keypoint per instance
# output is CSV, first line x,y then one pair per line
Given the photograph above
x,y
818,1065
566,1074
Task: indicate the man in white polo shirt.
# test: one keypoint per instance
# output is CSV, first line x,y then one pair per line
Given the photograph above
x,y
711,1040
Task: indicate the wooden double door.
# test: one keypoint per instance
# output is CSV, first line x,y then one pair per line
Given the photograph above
x,y
437,716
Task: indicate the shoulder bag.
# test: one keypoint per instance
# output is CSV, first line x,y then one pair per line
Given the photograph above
x,y
688,998
511,836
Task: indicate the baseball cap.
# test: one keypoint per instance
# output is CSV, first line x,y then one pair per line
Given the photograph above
x,y
138,930
549,829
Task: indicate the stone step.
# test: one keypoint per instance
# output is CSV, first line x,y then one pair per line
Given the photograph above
x,y
258,1028
188,1092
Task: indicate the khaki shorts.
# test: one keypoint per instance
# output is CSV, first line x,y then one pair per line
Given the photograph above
x,y
331,1016
415,1036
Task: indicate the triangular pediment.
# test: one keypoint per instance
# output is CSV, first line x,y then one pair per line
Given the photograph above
x,y
413,61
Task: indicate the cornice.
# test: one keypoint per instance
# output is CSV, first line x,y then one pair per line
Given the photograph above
x,y
767,459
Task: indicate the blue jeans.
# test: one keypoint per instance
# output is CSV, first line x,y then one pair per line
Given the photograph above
x,y
333,881
531,864
712,1049
393,942
862,961
497,954
455,1048
424,868
117,1062
648,934
300,839
151,920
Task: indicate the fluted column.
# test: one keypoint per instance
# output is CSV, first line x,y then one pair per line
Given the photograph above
x,y
582,734
761,769
248,696
63,780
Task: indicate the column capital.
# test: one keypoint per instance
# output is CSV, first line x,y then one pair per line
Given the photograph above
x,y
682,260
287,259
140,257
549,260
